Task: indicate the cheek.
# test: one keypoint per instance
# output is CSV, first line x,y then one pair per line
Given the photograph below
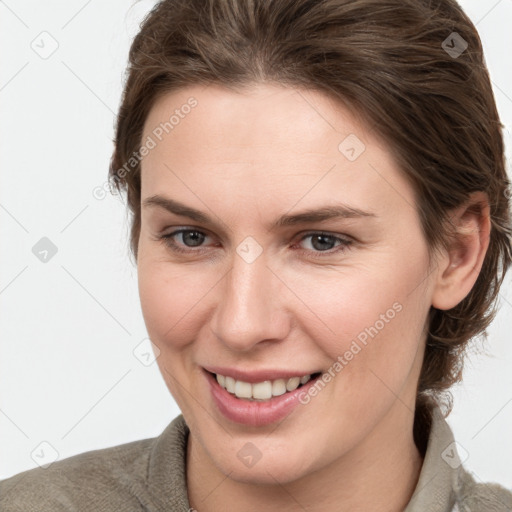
x,y
176,301
171,301
350,304
170,298
372,318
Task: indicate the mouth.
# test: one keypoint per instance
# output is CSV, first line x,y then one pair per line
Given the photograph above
x,y
261,402
264,390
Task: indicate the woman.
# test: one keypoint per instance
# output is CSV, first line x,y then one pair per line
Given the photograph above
x,y
321,224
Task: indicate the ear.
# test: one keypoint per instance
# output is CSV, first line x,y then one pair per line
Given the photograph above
x,y
460,264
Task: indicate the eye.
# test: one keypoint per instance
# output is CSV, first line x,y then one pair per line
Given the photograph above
x,y
193,237
192,240
323,242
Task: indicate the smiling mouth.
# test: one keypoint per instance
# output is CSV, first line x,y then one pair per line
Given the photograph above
x,y
262,391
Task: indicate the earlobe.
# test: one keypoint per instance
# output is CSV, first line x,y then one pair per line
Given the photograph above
x,y
460,264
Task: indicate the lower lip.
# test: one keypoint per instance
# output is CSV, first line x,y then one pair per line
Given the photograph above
x,y
255,413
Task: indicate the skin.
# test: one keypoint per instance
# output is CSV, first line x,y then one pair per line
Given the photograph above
x,y
245,159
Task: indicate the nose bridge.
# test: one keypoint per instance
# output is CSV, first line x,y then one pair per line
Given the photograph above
x,y
249,306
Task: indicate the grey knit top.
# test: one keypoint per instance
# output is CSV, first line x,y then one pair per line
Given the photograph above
x,y
149,475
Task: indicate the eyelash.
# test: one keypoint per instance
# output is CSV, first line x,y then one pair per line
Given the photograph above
x,y
344,246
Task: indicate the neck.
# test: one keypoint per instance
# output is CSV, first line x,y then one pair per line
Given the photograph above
x,y
380,474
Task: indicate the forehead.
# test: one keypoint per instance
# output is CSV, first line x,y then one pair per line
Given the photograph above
x,y
279,142
260,114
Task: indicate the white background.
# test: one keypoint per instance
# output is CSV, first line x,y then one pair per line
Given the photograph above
x,y
68,374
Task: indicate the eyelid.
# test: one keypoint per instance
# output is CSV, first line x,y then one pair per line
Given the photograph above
x,y
168,239
303,234
346,241
339,236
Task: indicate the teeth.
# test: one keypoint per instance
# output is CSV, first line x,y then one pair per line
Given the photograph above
x,y
293,383
243,389
230,384
278,387
260,390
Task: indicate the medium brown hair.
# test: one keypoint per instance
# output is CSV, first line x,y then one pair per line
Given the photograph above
x,y
387,60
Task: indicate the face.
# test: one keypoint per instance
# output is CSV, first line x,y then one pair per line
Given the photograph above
x,y
295,251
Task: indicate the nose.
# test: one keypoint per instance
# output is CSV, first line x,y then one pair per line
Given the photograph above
x,y
251,306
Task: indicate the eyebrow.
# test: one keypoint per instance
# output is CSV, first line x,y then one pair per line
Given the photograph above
x,y
329,212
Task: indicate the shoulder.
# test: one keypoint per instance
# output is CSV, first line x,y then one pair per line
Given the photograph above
x,y
97,480
488,497
444,483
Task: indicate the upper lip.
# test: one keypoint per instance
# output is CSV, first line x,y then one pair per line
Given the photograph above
x,y
256,375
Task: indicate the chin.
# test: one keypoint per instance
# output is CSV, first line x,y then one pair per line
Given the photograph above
x,y
265,473
268,464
